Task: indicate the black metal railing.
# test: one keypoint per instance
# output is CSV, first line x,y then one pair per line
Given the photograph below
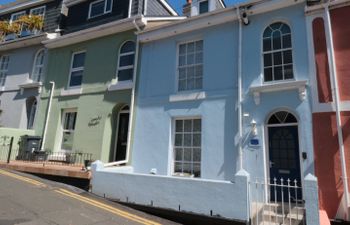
x,y
11,152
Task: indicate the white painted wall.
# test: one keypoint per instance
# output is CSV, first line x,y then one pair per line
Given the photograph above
x,y
192,195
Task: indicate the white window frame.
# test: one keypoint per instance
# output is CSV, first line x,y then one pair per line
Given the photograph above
x,y
64,112
16,14
178,66
38,8
32,115
38,66
274,51
125,54
173,173
4,71
105,11
71,70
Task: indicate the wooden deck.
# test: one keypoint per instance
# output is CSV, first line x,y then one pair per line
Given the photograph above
x,y
48,169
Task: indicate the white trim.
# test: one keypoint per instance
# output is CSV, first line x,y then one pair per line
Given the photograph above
x,y
125,54
121,111
105,11
71,91
16,14
65,111
213,18
279,86
189,96
41,66
171,10
11,7
120,85
40,7
26,41
71,70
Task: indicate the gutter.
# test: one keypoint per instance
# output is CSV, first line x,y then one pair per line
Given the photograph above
x,y
335,92
132,105
47,116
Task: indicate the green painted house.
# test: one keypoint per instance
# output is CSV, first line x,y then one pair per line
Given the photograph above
x,y
87,97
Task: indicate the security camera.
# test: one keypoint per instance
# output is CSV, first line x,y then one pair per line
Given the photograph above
x,y
245,19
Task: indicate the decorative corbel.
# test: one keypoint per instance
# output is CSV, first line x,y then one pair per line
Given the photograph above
x,y
256,97
302,93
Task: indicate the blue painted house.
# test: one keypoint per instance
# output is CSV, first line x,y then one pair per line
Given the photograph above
x,y
221,124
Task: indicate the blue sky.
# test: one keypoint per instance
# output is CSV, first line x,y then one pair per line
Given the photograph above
x,y
177,4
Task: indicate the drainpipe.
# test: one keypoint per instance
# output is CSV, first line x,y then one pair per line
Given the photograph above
x,y
131,116
47,115
335,90
145,3
240,125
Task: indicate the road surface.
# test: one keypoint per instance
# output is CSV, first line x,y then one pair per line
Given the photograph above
x,y
28,200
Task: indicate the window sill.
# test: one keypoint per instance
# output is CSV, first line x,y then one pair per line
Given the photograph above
x,y
120,85
72,91
191,96
29,85
279,86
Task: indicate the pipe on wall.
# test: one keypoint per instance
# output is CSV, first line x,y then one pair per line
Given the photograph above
x,y
239,81
47,115
335,92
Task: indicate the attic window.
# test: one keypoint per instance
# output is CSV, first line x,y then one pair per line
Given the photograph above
x,y
203,7
99,8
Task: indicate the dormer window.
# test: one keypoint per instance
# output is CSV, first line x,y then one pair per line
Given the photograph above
x,y
100,7
203,6
39,11
16,16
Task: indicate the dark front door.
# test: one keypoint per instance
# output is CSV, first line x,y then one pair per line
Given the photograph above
x,y
284,161
122,140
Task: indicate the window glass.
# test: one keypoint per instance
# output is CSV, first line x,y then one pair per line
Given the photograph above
x,y
190,68
203,7
38,66
277,53
77,70
38,11
4,62
100,7
187,147
126,61
16,16
69,119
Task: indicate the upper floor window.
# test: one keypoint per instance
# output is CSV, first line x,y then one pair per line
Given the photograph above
x,y
190,66
4,63
38,66
277,51
100,7
39,11
77,69
187,147
203,6
126,61
16,16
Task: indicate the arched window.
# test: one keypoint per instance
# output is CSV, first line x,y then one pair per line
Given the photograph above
x,y
31,104
277,51
38,66
126,61
282,117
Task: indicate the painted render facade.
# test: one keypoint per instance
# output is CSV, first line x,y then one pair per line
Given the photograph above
x,y
329,66
160,105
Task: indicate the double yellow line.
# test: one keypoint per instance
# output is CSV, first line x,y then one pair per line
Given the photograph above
x,y
89,201
25,179
107,208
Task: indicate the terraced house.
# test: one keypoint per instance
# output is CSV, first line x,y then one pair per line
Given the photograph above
x,y
24,25
88,93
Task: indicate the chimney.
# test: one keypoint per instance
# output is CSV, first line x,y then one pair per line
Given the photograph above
x,y
186,9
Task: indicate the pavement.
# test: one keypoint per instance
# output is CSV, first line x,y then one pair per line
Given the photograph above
x,y
29,200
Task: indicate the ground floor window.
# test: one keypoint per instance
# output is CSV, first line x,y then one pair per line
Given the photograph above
x,y
187,147
68,125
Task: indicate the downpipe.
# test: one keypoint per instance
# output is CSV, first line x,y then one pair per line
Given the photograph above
x,y
335,90
47,116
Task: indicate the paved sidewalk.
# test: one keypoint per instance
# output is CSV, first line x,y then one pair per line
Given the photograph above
x,y
28,200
